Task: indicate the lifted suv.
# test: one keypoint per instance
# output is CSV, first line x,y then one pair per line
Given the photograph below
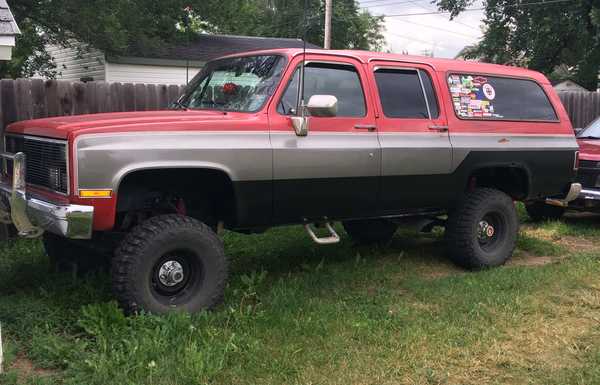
x,y
381,137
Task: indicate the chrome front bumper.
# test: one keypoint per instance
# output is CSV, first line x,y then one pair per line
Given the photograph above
x,y
33,216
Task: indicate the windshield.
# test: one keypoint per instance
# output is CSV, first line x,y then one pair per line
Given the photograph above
x,y
241,84
592,131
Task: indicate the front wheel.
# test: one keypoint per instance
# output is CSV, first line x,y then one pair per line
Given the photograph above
x,y
169,262
482,231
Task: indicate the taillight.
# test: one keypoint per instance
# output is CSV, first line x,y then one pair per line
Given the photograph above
x,y
576,162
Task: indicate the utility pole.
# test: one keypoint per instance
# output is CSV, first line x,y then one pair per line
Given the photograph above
x,y
328,11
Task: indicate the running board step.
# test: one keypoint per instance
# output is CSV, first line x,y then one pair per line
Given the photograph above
x,y
332,238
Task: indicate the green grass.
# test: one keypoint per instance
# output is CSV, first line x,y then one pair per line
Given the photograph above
x,y
298,313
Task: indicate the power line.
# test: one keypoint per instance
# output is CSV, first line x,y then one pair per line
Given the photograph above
x,y
439,29
475,9
411,38
389,4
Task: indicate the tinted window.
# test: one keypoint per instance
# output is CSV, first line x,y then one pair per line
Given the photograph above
x,y
488,97
401,93
340,81
430,93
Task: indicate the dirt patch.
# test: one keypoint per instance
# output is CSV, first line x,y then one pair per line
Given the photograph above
x,y
25,369
578,243
527,259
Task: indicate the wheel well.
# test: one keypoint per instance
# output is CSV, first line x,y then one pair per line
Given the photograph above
x,y
204,194
514,181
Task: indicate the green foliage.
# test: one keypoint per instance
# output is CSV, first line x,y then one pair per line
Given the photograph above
x,y
120,27
323,315
540,36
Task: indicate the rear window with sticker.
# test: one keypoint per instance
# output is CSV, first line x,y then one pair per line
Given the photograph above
x,y
497,98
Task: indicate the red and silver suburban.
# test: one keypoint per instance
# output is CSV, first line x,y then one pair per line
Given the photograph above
x,y
282,137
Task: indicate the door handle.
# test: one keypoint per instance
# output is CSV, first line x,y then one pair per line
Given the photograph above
x,y
435,127
369,127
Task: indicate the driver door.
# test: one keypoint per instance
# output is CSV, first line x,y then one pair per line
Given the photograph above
x,y
334,171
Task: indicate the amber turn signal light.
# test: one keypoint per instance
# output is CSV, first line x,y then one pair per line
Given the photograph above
x,y
95,193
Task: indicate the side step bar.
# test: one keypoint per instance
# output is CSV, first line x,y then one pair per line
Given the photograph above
x,y
332,238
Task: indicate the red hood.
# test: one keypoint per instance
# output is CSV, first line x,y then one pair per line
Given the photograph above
x,y
177,120
589,149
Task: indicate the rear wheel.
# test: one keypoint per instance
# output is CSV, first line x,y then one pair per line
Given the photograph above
x,y
369,231
482,230
169,262
540,211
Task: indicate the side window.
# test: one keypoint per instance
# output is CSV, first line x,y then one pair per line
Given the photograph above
x,y
341,81
499,98
406,93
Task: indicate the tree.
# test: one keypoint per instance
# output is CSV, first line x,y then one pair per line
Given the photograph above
x,y
540,36
118,27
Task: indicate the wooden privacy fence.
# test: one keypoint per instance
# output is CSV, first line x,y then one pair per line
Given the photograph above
x,y
582,107
35,98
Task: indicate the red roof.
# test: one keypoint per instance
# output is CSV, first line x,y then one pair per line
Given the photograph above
x,y
441,65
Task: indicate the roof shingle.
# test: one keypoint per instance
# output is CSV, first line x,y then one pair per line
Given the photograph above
x,y
8,26
208,47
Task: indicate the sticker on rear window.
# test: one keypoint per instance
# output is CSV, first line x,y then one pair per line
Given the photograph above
x,y
472,96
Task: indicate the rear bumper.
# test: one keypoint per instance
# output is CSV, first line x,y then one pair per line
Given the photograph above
x,y
589,194
572,194
32,216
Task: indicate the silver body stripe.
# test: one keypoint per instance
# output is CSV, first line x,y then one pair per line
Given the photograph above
x,y
104,159
325,155
415,153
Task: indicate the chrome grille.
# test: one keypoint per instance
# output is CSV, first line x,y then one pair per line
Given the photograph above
x,y
46,161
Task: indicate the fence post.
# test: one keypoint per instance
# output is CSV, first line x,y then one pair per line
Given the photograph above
x,y
1,352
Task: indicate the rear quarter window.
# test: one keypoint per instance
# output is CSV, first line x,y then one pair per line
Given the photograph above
x,y
499,98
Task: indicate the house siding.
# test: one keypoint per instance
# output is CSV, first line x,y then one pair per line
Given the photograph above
x,y
73,65
148,74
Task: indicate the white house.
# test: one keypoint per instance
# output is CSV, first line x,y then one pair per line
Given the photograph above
x,y
168,65
8,31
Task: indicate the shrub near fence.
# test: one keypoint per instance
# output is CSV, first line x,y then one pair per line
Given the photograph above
x,y
23,99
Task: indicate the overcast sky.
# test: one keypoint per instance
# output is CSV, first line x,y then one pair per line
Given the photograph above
x,y
417,34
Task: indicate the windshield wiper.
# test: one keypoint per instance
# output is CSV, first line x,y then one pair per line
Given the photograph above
x,y
588,137
178,105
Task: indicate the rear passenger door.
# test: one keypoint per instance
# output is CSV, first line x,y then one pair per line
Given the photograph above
x,y
334,170
413,133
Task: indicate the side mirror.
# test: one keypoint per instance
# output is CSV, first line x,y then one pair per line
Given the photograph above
x,y
300,124
324,106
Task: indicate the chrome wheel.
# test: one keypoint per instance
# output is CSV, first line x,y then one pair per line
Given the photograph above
x,y
176,276
171,273
491,230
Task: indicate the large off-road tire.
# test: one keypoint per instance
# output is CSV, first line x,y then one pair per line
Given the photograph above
x,y
482,231
70,256
540,211
370,231
169,262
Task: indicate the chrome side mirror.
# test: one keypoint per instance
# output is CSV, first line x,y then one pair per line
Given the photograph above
x,y
300,124
324,106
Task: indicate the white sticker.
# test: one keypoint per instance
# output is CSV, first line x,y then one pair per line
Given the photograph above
x,y
489,91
